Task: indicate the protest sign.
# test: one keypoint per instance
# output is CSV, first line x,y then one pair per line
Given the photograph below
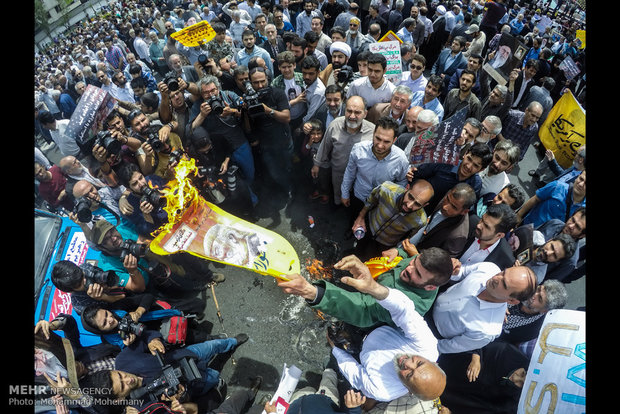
x,y
439,144
556,376
391,51
508,56
390,36
580,35
564,130
87,119
569,67
195,35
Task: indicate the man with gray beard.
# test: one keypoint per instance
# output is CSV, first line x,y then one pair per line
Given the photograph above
x,y
342,133
393,363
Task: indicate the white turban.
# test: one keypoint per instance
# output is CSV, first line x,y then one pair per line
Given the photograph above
x,y
340,47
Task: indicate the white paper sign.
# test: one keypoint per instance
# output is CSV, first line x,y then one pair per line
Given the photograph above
x,y
556,378
391,51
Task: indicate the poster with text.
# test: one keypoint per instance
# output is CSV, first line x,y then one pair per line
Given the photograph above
x,y
89,115
391,51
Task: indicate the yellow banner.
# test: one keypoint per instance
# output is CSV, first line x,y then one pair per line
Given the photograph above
x,y
205,230
195,35
580,35
564,130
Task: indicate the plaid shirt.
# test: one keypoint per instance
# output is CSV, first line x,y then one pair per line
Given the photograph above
x,y
514,131
386,223
113,56
407,404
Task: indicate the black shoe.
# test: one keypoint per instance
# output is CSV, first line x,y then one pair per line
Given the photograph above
x,y
533,173
241,338
255,385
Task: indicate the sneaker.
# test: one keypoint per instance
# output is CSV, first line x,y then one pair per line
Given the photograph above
x,y
241,338
218,277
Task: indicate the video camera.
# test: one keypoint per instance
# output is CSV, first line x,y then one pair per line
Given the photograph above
x,y
133,248
127,326
93,274
183,372
251,97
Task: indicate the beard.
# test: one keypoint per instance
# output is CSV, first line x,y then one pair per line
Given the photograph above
x,y
353,124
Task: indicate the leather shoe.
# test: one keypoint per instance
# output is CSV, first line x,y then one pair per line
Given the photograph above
x,y
218,277
241,338
533,173
255,385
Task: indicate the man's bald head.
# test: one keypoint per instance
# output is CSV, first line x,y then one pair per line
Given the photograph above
x,y
411,117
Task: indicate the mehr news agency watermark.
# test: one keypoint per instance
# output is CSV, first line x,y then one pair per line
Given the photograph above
x,y
33,395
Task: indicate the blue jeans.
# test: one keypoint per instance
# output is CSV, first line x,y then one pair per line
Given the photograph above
x,y
206,350
243,157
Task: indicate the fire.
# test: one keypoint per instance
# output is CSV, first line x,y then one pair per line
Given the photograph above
x,y
179,192
317,270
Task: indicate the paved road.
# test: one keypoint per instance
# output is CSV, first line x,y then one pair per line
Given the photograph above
x,y
282,329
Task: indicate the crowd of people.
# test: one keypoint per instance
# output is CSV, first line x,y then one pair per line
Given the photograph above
x,y
290,97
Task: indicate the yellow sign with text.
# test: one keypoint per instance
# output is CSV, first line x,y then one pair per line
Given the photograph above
x,y
390,36
564,130
195,35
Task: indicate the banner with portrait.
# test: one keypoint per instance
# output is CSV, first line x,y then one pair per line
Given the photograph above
x,y
508,56
564,130
205,230
556,376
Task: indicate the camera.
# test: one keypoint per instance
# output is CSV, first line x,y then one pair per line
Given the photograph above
x,y
211,185
127,326
152,138
341,337
204,62
107,141
82,209
172,81
255,107
93,274
217,105
151,196
175,156
133,248
345,74
184,372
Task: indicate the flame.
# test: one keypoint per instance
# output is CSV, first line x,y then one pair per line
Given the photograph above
x,y
317,270
179,193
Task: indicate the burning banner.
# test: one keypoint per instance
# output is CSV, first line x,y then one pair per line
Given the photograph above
x,y
205,230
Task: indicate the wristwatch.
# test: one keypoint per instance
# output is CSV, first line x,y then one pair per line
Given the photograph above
x,y
271,113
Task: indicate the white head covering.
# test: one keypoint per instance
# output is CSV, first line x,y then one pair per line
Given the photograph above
x,y
340,47
441,10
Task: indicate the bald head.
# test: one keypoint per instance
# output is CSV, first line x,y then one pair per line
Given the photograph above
x,y
422,377
417,196
412,117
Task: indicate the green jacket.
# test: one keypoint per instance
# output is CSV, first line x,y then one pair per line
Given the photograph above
x,y
278,82
362,310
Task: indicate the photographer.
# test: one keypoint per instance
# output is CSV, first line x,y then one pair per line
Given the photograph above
x,y
340,53
271,127
174,105
159,143
138,368
217,182
147,213
219,112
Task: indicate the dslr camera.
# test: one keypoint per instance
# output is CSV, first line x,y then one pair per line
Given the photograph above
x,y
345,74
251,97
133,248
94,274
107,141
152,138
175,156
217,105
82,209
127,326
172,81
184,371
151,196
341,337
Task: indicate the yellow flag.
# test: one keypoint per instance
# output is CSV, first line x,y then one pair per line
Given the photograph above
x,y
195,35
564,130
205,230
581,37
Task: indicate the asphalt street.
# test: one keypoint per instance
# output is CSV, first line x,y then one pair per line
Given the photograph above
x,y
281,328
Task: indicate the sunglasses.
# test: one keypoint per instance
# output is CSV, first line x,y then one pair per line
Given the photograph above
x,y
416,67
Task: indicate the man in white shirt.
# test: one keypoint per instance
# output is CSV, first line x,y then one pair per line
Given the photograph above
x,y
392,362
374,88
414,77
494,178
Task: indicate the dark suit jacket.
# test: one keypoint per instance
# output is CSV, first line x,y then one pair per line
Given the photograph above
x,y
450,235
518,83
440,64
502,255
377,111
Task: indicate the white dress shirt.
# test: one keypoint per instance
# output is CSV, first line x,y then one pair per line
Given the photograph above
x,y
474,254
493,183
376,376
465,321
362,87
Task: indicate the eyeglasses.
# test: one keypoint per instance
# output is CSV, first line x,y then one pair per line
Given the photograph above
x,y
416,67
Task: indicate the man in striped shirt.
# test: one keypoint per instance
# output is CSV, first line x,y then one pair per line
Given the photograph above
x,y
113,55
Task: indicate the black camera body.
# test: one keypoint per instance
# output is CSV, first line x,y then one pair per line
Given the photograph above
x,y
175,156
82,209
341,337
151,196
152,138
251,98
217,105
184,372
133,248
345,74
94,274
107,141
127,326
172,81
